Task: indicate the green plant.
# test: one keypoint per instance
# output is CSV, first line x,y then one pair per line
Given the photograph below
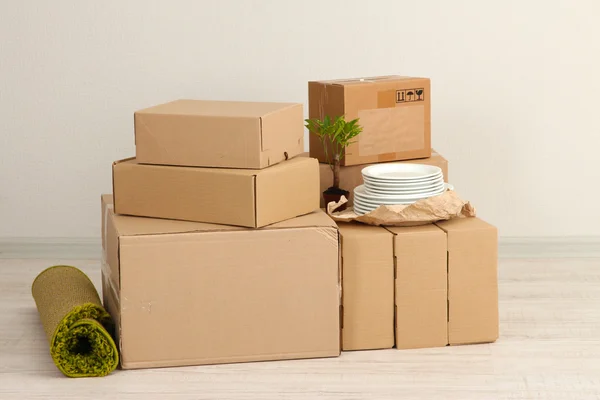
x,y
335,136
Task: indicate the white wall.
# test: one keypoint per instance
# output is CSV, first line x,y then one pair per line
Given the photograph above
x,y
515,89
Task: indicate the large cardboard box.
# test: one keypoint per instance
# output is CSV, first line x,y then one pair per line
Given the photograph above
x,y
472,281
243,197
429,285
351,176
367,287
394,111
186,293
421,287
219,133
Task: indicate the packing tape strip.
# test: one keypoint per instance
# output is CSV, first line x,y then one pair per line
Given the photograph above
x,y
107,276
105,267
105,231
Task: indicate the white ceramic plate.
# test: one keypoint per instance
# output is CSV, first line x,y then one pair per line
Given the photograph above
x,y
416,184
401,171
377,190
361,193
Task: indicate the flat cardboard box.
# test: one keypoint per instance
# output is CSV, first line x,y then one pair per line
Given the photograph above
x,y
251,198
367,287
230,134
394,111
188,293
472,281
421,287
351,176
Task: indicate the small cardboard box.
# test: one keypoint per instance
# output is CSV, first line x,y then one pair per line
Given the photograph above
x,y
367,287
219,133
243,197
351,176
429,285
394,111
472,281
188,293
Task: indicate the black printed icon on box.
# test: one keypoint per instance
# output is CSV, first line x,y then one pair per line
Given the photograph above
x,y
410,95
419,93
400,96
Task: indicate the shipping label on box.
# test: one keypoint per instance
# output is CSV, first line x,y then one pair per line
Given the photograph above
x,y
188,293
228,134
394,111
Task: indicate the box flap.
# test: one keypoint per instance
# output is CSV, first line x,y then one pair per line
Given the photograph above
x,y
210,108
464,224
134,226
367,80
295,192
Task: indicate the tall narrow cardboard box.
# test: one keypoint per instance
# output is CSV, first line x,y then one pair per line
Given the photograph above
x,y
472,280
421,287
367,287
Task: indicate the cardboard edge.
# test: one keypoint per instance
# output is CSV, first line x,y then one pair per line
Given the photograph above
x,y
232,360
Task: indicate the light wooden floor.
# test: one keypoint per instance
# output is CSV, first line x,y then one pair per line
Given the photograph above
x,y
549,349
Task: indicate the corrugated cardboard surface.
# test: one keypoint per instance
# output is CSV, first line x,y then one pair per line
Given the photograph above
x,y
219,133
368,287
421,287
204,294
243,197
351,176
394,127
472,280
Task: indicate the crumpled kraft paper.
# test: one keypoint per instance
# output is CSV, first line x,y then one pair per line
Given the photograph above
x,y
446,206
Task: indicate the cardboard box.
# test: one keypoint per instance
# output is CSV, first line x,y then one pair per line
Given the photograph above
x,y
351,176
394,111
472,281
219,133
429,285
421,287
367,287
243,197
188,293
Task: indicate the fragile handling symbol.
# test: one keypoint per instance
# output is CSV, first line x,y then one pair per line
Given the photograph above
x,y
409,95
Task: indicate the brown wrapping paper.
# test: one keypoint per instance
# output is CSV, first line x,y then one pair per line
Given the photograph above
x,y
438,208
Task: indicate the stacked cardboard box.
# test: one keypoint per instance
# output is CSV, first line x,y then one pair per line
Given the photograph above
x,y
205,239
413,287
216,249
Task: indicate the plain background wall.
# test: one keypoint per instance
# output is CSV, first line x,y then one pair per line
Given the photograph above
x,y
515,92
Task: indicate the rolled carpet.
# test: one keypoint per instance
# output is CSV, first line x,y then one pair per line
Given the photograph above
x,y
76,324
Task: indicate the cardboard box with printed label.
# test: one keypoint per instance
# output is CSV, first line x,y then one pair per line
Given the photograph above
x,y
219,133
394,111
351,176
188,293
425,286
244,197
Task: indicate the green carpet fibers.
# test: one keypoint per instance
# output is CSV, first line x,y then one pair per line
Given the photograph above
x,y
76,324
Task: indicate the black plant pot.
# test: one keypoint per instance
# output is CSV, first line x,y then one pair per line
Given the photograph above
x,y
335,194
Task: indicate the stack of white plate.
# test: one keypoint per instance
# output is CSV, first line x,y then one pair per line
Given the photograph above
x,y
397,184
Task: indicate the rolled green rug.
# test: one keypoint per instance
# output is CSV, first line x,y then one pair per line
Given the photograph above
x,y
76,324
